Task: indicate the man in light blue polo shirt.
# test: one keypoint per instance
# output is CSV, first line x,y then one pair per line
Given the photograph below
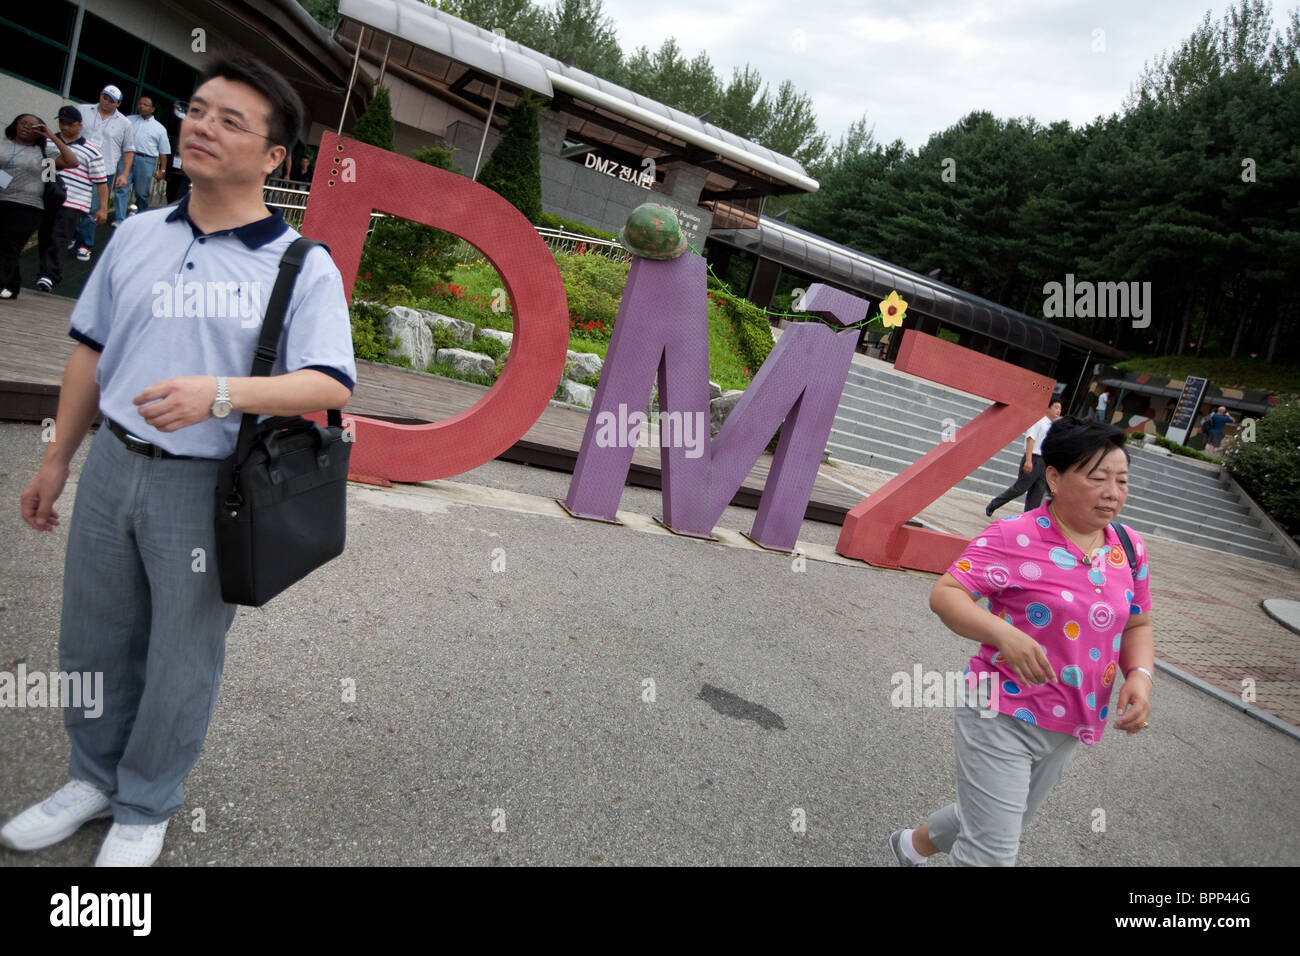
x,y
166,330
152,150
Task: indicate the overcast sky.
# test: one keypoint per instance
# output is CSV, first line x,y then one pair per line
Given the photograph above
x,y
915,67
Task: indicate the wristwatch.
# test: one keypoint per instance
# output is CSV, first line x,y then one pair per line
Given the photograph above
x,y
221,407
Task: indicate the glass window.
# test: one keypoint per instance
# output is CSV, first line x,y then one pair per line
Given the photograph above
x,y
29,58
112,46
52,20
168,76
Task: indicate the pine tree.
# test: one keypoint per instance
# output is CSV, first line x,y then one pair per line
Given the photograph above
x,y
515,169
376,124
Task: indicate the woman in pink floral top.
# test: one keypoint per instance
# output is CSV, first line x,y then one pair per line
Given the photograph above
x,y
1067,613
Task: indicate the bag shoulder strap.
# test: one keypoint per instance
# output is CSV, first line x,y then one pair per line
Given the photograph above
x,y
1126,543
268,343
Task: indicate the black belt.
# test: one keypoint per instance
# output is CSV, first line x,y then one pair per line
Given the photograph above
x,y
142,447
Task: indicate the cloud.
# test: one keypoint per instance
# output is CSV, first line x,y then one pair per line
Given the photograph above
x,y
915,67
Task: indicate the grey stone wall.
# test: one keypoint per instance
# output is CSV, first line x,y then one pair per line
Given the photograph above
x,y
576,192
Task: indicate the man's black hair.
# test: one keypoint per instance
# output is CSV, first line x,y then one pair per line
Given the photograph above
x,y
287,112
1077,443
12,129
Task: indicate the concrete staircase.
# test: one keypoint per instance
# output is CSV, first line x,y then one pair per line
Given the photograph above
x,y
888,420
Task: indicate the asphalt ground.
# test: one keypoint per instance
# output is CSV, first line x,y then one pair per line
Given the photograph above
x,y
519,696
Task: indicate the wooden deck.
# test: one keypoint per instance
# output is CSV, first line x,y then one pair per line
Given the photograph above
x,y
34,347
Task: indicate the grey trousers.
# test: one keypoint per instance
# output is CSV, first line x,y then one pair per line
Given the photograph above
x,y
1005,768
142,604
1033,486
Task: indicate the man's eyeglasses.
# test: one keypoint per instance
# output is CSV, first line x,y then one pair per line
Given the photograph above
x,y
197,114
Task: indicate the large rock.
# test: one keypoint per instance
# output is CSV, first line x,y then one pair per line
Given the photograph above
x,y
409,329
577,394
459,327
721,407
715,390
583,364
507,337
465,362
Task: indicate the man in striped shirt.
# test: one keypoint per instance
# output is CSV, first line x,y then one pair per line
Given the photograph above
x,y
58,228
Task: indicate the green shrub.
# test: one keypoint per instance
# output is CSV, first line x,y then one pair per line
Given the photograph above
x,y
515,170
1183,450
375,125
369,341
594,287
445,338
552,221
753,330
400,255
439,156
1269,467
489,346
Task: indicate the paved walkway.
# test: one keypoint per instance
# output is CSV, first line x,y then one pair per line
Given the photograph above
x,y
533,689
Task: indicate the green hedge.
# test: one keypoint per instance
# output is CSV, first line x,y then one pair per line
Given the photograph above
x,y
1269,467
753,330
551,221
1183,450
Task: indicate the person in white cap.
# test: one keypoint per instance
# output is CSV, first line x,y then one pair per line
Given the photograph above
x,y
104,125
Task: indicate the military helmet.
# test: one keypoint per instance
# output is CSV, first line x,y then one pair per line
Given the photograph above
x,y
653,232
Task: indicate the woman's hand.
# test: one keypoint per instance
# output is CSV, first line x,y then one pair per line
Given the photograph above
x,y
1134,703
1025,656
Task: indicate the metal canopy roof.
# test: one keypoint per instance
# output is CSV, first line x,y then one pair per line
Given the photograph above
x,y
821,258
500,57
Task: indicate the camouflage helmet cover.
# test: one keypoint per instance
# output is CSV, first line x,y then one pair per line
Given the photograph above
x,y
652,231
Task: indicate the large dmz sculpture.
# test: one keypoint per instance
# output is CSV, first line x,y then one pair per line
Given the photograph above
x,y
661,334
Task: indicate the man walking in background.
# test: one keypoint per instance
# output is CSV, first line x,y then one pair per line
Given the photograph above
x,y
1215,426
1033,474
152,150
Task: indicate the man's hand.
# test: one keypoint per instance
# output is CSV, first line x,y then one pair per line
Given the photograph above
x,y
1028,466
120,181
101,215
1134,704
175,403
39,496
160,174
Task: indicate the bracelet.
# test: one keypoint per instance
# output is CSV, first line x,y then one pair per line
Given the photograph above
x,y
1144,671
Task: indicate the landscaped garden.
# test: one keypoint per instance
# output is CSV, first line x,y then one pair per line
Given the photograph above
x,y
398,271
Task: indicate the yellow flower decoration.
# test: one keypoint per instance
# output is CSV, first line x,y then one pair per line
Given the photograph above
x,y
893,311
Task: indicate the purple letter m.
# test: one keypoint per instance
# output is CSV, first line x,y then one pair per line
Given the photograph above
x,y
662,328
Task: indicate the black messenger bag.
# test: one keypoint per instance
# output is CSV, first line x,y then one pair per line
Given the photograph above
x,y
282,495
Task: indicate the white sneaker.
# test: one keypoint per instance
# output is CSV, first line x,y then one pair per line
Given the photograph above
x,y
132,844
45,824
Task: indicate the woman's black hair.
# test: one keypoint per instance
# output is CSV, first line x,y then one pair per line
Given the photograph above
x,y
1076,443
285,120
12,129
